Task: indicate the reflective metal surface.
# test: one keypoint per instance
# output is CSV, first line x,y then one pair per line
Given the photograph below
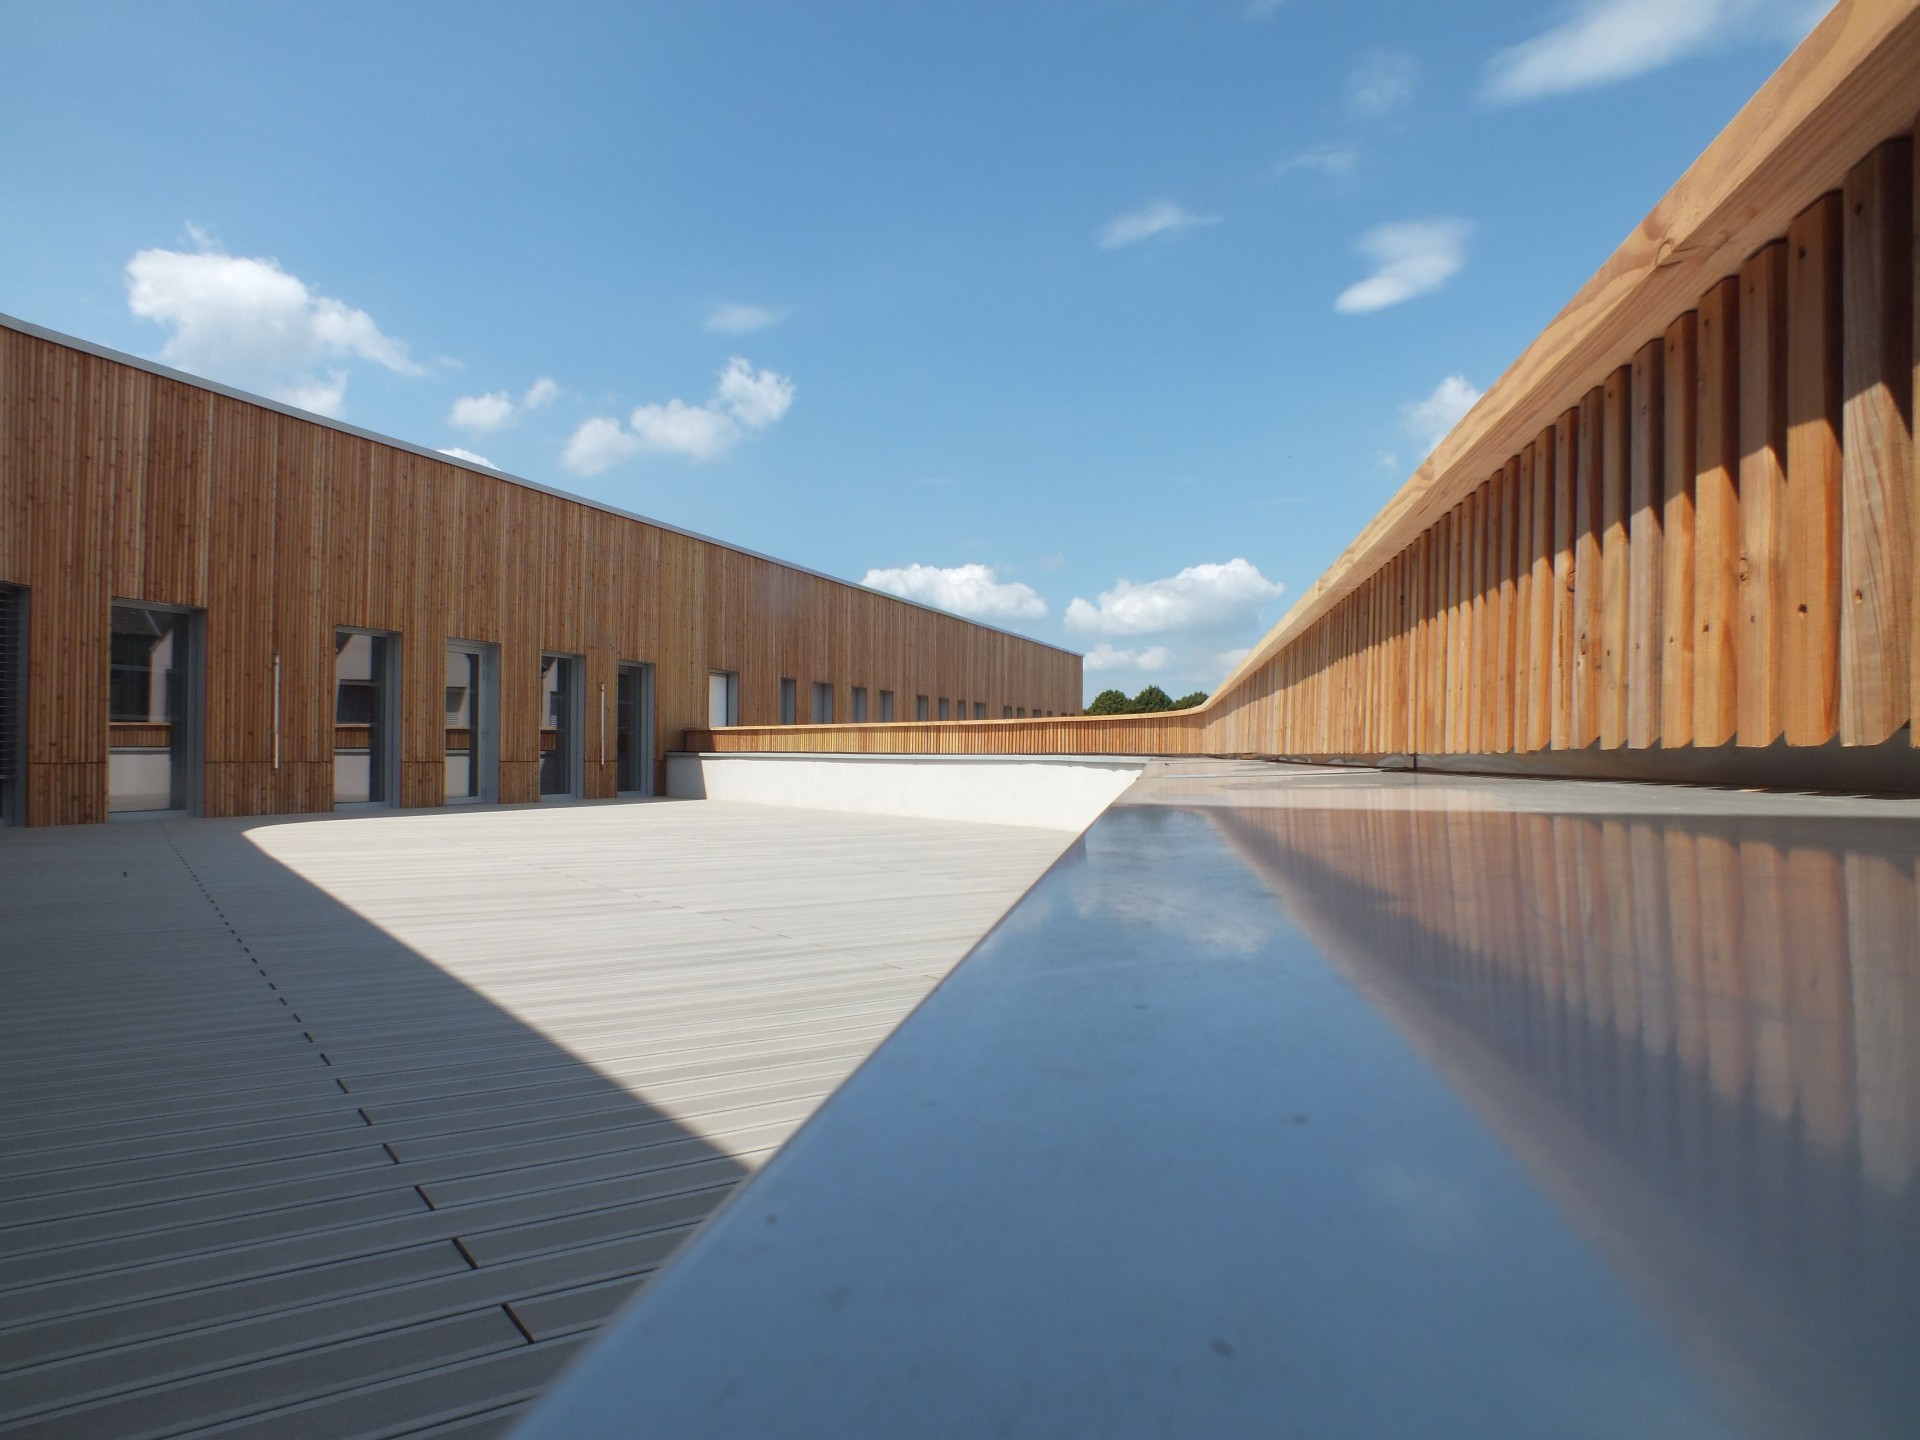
x,y
1322,1104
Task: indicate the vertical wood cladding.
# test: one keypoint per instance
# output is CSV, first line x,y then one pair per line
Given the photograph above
x,y
1715,545
117,482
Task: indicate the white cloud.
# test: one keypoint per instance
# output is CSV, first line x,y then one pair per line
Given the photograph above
x,y
1162,217
1201,597
1227,659
1152,660
248,322
1381,84
1430,419
744,400
468,455
736,319
972,590
497,409
755,398
1335,161
677,428
1412,257
1607,40
599,444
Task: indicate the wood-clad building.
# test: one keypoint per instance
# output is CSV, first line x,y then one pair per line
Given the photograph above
x,y
214,603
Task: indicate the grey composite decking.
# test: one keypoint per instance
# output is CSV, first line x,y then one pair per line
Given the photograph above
x,y
357,1126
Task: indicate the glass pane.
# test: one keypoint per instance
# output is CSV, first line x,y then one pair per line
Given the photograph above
x,y
556,725
359,717
630,741
147,741
720,693
462,704
859,704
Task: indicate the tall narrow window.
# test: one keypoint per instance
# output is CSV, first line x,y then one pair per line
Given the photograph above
x,y
822,703
789,702
150,739
472,705
946,708
723,698
13,702
1019,712
1006,712
633,741
559,724
919,707
859,704
886,705
361,746
979,709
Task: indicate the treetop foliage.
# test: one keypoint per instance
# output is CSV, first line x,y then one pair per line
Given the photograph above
x,y
1151,700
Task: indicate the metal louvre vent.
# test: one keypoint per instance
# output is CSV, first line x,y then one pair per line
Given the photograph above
x,y
10,681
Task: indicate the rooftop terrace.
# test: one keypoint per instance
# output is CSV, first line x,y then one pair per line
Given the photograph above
x,y
354,1126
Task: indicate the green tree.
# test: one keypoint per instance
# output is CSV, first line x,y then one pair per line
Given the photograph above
x,y
1187,702
1110,702
1150,701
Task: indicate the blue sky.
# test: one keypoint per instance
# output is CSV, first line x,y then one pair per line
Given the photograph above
x,y
1106,322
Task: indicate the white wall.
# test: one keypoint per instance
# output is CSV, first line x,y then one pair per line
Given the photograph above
x,y
1048,792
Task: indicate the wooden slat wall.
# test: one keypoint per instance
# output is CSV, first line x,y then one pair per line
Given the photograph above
x,y
1720,532
1714,546
117,482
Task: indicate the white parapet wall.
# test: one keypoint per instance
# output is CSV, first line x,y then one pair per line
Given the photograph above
x,y
1050,792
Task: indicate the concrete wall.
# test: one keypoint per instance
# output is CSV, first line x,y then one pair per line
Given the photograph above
x,y
1048,792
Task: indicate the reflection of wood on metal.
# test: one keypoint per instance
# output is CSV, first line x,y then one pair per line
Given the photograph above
x,y
352,737
549,740
459,741
140,735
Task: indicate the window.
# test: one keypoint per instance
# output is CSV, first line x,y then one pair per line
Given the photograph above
x,y
1006,712
859,704
886,705
152,745
723,698
633,731
1020,712
979,709
822,702
919,707
559,724
362,748
945,708
13,696
472,705
789,702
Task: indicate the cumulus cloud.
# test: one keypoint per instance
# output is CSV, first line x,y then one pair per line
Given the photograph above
x,y
1607,40
1411,258
1381,84
1149,660
1161,217
737,319
248,322
467,455
971,590
497,409
1428,420
599,444
1335,161
1183,632
744,400
1200,597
